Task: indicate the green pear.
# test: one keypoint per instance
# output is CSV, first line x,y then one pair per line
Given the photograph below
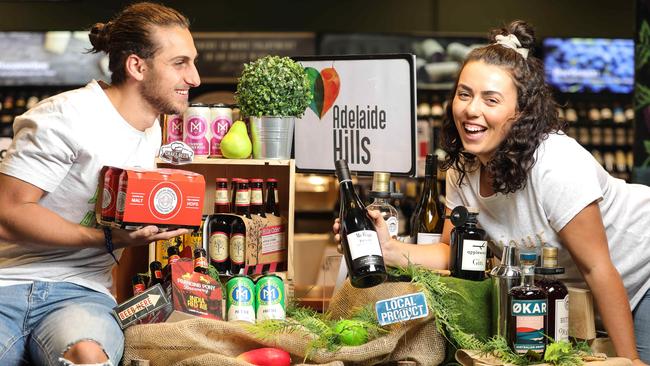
x,y
236,144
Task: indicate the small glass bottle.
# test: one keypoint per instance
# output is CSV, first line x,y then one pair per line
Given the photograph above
x,y
138,283
557,321
257,197
237,244
468,251
381,194
272,206
200,261
527,304
155,276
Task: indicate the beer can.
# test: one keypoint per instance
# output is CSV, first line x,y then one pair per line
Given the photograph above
x,y
109,193
240,302
220,122
196,131
269,298
172,128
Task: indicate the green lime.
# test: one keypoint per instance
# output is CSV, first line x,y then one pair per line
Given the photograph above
x,y
351,332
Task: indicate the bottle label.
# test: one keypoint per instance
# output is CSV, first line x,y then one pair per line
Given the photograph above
x,y
393,226
201,262
157,274
222,196
562,319
428,238
474,253
242,198
529,323
256,197
218,246
363,243
237,248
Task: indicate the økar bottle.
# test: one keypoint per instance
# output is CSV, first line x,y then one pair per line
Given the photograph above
x,y
527,304
359,239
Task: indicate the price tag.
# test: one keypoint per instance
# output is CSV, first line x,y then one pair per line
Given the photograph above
x,y
402,308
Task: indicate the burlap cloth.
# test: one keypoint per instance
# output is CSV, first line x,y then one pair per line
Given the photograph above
x,y
475,358
208,342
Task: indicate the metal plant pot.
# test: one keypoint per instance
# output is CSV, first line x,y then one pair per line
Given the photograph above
x,y
272,137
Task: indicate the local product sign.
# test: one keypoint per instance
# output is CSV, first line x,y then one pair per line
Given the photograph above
x,y
402,308
362,110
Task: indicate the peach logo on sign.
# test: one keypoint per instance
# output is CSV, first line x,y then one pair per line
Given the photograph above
x,y
325,86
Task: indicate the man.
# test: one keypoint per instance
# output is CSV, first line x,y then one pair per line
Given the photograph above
x,y
55,266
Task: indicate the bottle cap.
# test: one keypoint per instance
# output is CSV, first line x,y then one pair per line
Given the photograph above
x,y
472,210
221,180
380,182
549,257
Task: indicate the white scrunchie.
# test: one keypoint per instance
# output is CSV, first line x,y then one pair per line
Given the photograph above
x,y
511,41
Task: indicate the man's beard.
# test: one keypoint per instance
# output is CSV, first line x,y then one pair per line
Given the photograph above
x,y
151,93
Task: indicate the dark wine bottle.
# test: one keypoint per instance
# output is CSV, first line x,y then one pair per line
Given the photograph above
x,y
359,239
428,218
557,320
468,251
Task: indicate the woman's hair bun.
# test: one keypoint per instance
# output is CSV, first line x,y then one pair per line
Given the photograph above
x,y
99,36
522,30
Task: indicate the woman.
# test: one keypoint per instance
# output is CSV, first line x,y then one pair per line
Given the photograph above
x,y
534,185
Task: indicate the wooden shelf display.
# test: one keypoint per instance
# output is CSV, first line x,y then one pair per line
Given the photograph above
x,y
282,170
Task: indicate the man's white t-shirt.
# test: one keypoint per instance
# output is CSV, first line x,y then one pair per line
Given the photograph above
x,y
563,181
60,146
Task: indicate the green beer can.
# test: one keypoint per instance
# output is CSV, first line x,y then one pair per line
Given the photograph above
x,y
240,302
269,296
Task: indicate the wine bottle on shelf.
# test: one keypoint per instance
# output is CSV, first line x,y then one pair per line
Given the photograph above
x,y
359,240
428,219
257,197
381,194
468,251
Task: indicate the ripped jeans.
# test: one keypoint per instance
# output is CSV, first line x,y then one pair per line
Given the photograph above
x,y
40,321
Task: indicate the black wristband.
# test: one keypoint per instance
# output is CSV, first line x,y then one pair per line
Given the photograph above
x,y
108,241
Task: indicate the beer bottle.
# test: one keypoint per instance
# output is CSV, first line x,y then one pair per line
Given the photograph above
x,y
138,284
233,193
173,255
238,228
221,201
200,261
272,202
257,200
156,276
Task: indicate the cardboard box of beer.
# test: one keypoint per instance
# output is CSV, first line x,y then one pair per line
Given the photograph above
x,y
163,197
195,293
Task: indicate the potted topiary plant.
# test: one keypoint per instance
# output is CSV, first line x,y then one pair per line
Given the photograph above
x,y
272,91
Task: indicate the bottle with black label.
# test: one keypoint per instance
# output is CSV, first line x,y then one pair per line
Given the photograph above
x,y
527,304
557,321
381,194
359,240
468,251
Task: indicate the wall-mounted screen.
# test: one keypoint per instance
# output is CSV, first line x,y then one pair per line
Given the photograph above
x,y
589,65
49,58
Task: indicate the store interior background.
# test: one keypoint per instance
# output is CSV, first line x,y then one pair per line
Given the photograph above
x,y
315,198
